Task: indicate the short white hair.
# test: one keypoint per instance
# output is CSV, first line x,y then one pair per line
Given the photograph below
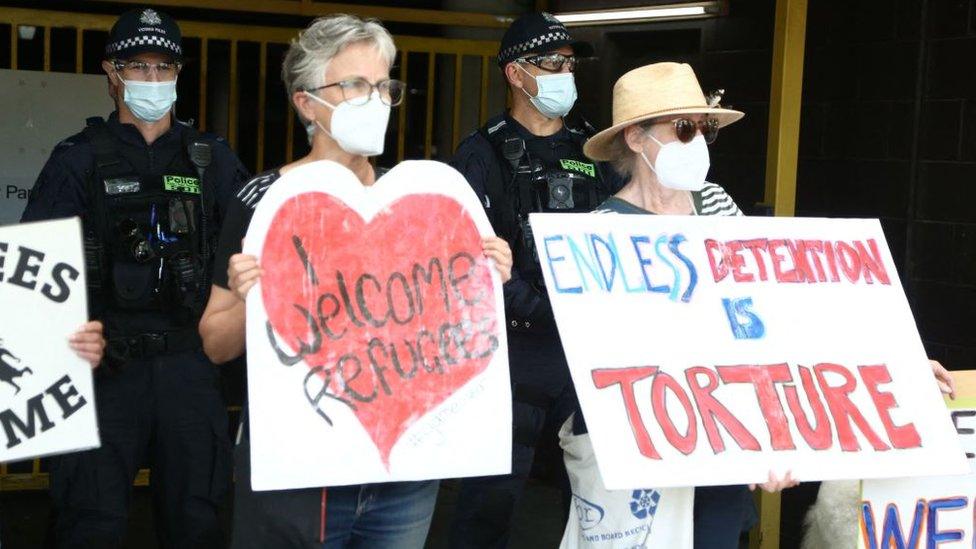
x,y
309,54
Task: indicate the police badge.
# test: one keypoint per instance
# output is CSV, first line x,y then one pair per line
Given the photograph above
x,y
150,17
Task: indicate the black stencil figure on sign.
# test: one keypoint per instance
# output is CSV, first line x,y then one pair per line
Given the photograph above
x,y
7,370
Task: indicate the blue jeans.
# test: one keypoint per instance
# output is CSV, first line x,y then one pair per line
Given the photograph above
x,y
392,515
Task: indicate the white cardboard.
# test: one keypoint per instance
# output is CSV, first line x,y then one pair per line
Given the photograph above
x,y
846,323
467,434
41,305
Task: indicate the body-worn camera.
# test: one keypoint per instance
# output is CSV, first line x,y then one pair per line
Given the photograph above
x,y
558,186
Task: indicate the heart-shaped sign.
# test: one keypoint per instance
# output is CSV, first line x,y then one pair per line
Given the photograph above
x,y
392,305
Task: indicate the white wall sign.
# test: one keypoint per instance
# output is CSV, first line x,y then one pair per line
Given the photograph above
x,y
39,110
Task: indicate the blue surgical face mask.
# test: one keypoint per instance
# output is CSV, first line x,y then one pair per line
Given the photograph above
x,y
555,95
149,101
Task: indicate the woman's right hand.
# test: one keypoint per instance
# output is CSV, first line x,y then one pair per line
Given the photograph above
x,y
243,273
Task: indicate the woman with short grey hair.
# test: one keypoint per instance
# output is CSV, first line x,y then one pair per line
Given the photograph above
x,y
337,73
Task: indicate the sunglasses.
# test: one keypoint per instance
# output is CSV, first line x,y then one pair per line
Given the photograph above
x,y
685,129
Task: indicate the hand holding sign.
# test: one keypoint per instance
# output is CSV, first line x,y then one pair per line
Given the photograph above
x,y
242,274
47,402
88,343
378,308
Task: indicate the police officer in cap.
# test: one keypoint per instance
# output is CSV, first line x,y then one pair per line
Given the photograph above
x,y
528,160
151,192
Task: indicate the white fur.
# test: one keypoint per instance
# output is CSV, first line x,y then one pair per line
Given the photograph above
x,y
832,522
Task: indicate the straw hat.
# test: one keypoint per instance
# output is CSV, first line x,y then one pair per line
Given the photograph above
x,y
652,91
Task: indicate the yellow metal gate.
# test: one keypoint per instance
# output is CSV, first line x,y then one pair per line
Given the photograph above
x,y
452,89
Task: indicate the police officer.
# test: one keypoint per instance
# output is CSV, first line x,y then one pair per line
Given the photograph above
x,y
151,192
528,160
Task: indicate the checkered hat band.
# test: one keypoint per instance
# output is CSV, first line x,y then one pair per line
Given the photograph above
x,y
513,52
144,40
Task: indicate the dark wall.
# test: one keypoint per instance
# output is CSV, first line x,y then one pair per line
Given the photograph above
x,y
888,128
732,52
887,131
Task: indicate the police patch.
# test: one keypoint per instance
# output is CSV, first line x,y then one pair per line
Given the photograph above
x,y
181,184
577,166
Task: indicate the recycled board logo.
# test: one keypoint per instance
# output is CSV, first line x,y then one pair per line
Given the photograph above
x,y
643,503
589,513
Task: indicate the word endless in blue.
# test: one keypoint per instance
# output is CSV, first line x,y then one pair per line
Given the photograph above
x,y
595,263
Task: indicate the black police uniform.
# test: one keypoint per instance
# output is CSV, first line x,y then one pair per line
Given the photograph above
x,y
150,223
515,173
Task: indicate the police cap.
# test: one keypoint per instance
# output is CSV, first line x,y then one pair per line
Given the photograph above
x,y
538,33
144,30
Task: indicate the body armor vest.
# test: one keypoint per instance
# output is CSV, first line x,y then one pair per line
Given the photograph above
x,y
148,236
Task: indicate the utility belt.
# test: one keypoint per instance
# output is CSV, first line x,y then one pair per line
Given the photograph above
x,y
123,349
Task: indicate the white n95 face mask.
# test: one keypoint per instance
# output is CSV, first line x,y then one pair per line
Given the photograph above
x,y
681,166
148,101
358,129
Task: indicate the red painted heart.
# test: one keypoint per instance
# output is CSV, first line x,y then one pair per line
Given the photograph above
x,y
395,314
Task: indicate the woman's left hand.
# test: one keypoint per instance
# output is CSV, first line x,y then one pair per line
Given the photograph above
x,y
89,343
943,378
498,250
776,484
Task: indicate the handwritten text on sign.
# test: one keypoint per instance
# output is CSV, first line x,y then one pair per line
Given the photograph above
x,y
47,405
709,350
375,350
932,511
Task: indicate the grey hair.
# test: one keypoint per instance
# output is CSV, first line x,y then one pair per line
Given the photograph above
x,y
309,54
622,158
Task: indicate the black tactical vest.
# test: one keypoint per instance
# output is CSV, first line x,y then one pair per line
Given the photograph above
x,y
530,184
148,236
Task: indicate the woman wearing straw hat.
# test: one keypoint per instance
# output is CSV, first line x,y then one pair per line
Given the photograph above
x,y
662,125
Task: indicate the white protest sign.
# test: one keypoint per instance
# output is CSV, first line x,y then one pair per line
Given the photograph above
x,y
375,338
929,511
47,404
709,350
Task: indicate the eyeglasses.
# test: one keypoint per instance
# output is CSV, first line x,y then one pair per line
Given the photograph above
x,y
552,62
165,70
685,129
357,91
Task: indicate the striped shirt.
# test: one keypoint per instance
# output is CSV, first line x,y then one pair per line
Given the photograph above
x,y
237,221
711,200
252,191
